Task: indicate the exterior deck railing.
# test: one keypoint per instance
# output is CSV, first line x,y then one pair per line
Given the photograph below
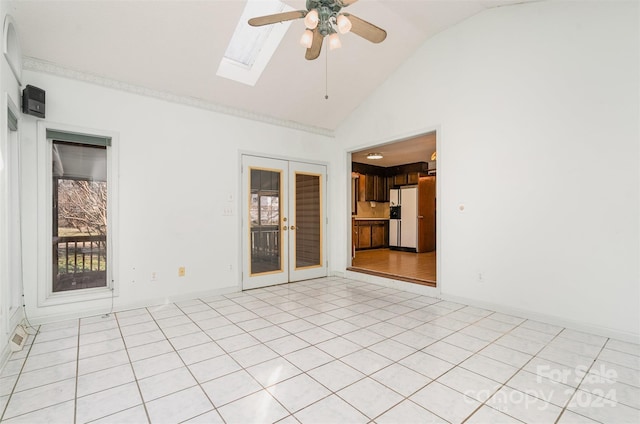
x,y
265,242
79,254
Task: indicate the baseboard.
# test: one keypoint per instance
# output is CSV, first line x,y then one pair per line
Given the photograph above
x,y
337,274
549,319
522,313
93,311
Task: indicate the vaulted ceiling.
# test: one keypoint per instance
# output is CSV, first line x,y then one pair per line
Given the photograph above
x,y
175,47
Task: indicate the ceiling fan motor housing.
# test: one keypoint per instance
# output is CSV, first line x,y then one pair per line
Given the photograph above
x,y
327,14
331,5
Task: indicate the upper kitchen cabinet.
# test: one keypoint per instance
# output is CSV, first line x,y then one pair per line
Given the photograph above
x,y
376,189
407,174
376,181
373,185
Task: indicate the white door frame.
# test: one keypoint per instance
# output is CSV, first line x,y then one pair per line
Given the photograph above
x,y
440,281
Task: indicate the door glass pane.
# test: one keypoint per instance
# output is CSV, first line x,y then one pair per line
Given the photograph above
x,y
79,189
308,221
265,214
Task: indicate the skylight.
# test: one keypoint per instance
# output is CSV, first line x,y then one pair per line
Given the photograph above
x,y
251,48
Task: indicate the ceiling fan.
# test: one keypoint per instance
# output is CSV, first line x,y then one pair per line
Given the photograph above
x,y
321,19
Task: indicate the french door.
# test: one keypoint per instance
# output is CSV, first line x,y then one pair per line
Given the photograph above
x,y
284,221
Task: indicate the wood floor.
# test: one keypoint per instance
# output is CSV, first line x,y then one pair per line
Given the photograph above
x,y
417,268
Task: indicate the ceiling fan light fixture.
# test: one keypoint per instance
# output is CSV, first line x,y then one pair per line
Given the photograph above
x,y
307,38
312,19
344,24
374,156
334,41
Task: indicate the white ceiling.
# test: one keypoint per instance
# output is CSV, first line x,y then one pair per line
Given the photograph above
x,y
175,46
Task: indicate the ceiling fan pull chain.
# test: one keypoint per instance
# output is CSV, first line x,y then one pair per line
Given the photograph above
x,y
326,74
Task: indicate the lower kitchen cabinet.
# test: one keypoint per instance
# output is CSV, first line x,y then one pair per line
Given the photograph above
x,y
372,234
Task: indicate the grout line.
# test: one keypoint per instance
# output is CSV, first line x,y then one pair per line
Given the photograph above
x,y
564,408
133,371
24,362
75,394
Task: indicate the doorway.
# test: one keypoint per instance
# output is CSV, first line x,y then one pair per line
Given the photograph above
x,y
284,217
406,167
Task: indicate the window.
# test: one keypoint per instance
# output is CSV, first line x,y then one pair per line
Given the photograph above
x,y
265,220
79,204
78,199
251,48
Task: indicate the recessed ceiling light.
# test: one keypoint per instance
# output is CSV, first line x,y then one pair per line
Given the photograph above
x,y
374,156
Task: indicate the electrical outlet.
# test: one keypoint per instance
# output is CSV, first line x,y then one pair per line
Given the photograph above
x,y
154,276
227,211
181,271
480,278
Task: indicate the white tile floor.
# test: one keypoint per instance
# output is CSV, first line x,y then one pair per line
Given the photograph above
x,y
321,351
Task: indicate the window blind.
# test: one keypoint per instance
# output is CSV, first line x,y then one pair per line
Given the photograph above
x,y
12,120
70,137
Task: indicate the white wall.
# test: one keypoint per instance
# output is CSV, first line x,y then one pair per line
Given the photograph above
x,y
177,165
10,310
537,110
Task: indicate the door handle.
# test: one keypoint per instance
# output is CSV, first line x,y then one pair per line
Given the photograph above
x,y
293,227
420,216
284,228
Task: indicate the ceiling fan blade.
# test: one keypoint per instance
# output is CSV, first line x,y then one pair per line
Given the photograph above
x,y
278,17
366,30
316,45
346,3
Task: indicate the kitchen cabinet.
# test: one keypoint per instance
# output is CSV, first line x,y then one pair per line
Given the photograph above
x,y
399,179
375,188
390,185
413,177
364,236
379,234
407,178
372,234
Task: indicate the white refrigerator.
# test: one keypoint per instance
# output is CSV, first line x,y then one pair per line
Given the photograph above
x,y
403,220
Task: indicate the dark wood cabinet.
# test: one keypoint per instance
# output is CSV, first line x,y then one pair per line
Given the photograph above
x,y
381,189
400,179
376,189
379,234
389,187
372,234
413,177
370,190
364,236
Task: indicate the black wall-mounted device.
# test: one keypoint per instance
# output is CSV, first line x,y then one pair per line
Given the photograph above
x,y
33,101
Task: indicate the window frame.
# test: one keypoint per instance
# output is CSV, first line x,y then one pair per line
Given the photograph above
x,y
46,295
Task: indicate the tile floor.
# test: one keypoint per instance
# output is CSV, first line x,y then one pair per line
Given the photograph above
x,y
322,351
